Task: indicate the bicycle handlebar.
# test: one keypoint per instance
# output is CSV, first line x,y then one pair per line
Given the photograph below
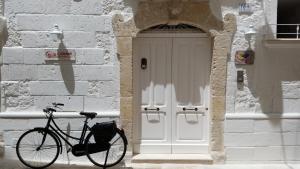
x,y
47,110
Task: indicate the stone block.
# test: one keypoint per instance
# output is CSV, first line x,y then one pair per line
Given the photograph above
x,y
12,55
275,139
290,105
57,6
93,72
239,153
268,153
217,108
19,103
230,23
34,56
10,88
104,88
126,77
72,103
43,22
4,73
91,7
77,39
99,104
239,126
124,46
290,91
91,56
290,125
277,125
52,88
22,72
239,140
28,6
49,72
126,108
217,136
40,102
230,107
72,39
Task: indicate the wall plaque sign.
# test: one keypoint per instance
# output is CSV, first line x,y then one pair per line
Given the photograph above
x,y
244,57
60,54
245,8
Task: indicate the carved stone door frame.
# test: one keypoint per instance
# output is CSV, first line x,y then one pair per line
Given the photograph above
x,y
198,14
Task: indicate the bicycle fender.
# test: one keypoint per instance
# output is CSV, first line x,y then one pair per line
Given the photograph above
x,y
122,132
55,136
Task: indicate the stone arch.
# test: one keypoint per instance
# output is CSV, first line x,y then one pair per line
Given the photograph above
x,y
198,14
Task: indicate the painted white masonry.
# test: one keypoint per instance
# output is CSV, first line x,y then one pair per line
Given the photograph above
x,y
271,86
91,82
29,82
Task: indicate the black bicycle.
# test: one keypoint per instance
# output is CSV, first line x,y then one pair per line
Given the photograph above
x,y
105,145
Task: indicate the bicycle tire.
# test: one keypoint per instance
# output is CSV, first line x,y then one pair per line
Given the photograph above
x,y
43,156
117,142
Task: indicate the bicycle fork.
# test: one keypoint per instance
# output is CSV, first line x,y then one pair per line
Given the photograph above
x,y
44,138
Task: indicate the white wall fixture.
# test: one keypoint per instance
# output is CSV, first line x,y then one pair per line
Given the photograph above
x,y
56,33
250,34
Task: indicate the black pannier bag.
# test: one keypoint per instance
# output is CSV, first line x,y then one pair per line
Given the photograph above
x,y
104,132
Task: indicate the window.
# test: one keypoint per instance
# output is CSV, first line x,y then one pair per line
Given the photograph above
x,y
288,19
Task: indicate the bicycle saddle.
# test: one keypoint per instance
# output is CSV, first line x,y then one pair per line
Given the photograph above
x,y
89,114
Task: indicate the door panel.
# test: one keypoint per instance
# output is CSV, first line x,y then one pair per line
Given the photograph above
x,y
189,122
153,122
155,88
190,78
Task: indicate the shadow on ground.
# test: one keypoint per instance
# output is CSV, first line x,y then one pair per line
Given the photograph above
x,y
12,164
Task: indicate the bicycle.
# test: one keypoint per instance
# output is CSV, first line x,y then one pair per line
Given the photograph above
x,y
39,147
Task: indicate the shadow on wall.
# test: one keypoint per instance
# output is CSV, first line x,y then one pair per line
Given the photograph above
x,y
66,69
274,79
4,37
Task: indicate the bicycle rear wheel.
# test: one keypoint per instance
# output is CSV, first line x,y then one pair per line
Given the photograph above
x,y
116,151
37,148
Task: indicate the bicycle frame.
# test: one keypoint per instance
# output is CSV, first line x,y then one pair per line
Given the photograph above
x,y
59,133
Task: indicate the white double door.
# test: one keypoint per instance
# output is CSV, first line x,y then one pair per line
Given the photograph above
x,y
171,84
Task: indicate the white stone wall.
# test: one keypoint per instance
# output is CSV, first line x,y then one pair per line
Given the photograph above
x,y
29,82
262,114
89,83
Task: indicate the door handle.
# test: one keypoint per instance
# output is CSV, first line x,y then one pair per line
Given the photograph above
x,y
184,109
146,109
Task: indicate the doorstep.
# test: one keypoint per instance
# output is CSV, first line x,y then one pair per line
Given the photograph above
x,y
173,158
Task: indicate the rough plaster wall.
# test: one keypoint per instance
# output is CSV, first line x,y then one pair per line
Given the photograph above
x,y
266,87
90,83
29,83
95,81
272,85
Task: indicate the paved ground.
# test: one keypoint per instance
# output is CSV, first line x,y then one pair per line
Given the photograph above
x,y
9,164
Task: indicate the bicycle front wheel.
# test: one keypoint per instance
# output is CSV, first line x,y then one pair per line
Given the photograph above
x,y
37,148
115,154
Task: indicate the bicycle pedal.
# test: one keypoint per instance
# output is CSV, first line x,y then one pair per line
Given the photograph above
x,y
69,150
